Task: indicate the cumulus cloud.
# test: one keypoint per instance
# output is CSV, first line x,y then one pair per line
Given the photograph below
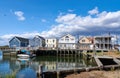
x,y
4,39
100,23
65,18
93,11
19,15
70,10
43,20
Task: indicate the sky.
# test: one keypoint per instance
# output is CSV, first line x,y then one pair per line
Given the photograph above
x,y
55,18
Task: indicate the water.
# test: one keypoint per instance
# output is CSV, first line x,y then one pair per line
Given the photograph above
x,y
27,68
1,55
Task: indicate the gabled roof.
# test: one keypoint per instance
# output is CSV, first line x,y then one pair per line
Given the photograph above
x,y
23,39
89,38
67,35
40,37
20,39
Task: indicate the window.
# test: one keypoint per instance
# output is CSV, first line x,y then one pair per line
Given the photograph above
x,y
72,39
67,40
67,37
64,45
47,40
83,40
53,41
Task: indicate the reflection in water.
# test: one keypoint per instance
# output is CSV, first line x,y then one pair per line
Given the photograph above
x,y
5,68
26,73
52,63
1,55
27,68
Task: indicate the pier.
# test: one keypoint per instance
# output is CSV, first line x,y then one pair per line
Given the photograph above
x,y
58,52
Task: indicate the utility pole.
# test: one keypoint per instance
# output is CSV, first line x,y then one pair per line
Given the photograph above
x,y
116,40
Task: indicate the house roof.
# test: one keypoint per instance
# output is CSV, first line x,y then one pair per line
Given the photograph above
x,y
89,38
20,39
40,37
67,35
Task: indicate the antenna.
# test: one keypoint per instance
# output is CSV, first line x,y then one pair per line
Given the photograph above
x,y
116,40
109,34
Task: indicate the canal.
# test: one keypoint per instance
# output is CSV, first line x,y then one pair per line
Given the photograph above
x,y
28,68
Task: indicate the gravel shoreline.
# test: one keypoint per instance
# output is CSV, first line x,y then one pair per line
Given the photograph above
x,y
96,74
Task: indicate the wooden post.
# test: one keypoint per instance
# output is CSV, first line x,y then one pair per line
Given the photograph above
x,y
64,52
40,75
57,53
58,74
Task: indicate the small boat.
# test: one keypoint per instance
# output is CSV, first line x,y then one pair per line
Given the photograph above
x,y
25,54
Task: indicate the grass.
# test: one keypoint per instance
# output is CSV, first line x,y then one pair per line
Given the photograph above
x,y
10,75
113,54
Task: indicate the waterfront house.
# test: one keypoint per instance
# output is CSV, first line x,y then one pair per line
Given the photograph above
x,y
17,42
85,43
67,42
51,43
103,42
37,42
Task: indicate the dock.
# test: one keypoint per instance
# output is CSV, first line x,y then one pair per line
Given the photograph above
x,y
105,62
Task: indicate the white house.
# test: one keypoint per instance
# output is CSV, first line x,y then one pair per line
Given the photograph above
x,y
51,43
67,42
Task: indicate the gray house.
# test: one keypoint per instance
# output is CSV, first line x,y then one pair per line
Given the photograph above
x,y
18,42
103,42
37,41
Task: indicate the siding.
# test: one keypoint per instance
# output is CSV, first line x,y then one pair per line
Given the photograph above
x,y
14,43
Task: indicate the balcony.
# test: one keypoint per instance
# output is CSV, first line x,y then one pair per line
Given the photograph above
x,y
103,42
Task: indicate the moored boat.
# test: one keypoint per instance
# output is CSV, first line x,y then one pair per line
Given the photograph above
x,y
25,54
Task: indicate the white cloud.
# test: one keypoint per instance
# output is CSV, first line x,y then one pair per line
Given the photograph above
x,y
43,20
72,23
19,15
4,39
76,24
70,10
65,18
93,11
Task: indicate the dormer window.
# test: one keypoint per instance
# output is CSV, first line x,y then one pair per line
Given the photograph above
x,y
67,37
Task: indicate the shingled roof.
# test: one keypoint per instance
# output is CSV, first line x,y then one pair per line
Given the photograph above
x,y
20,39
40,37
23,39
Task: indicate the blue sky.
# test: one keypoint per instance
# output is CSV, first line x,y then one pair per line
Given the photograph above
x,y
49,18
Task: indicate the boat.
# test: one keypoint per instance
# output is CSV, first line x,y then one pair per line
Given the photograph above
x,y
25,54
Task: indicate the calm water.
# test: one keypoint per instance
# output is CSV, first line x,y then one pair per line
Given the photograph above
x,y
27,68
